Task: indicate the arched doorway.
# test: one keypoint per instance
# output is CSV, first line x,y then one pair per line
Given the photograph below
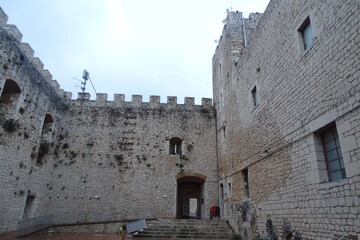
x,y
190,196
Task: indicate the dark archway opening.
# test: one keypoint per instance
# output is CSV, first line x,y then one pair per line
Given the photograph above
x,y
189,197
47,126
9,99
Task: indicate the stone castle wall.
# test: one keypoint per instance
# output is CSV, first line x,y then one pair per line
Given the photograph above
x,y
276,143
22,124
94,160
260,158
116,159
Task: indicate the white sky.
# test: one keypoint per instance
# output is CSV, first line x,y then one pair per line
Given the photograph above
x,y
157,47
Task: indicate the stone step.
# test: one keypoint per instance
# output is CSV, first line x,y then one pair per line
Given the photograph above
x,y
204,235
215,221
193,224
150,230
188,227
174,236
182,235
185,230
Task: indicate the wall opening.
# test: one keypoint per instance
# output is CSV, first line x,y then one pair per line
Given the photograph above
x,y
229,190
47,129
29,207
254,96
220,72
245,176
9,99
306,35
175,147
221,200
46,139
221,101
224,131
189,197
329,150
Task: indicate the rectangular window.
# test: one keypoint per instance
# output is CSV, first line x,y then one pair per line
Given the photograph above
x,y
306,35
254,96
333,156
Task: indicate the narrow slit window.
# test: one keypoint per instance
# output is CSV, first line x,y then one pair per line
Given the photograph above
x,y
221,101
223,129
220,72
245,175
254,96
229,189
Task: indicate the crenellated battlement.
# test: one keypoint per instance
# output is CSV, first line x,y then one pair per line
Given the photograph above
x,y
27,50
137,101
240,28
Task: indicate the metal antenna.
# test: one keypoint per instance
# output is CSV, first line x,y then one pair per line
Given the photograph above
x,y
86,77
83,83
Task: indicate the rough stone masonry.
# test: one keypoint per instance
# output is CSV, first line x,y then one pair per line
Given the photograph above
x,y
287,96
278,148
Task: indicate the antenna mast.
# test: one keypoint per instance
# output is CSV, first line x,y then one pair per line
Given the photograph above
x,y
83,83
86,77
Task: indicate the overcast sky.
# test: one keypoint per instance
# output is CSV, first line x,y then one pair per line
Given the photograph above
x,y
157,47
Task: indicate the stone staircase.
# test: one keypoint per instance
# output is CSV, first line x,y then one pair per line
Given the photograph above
x,y
187,229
